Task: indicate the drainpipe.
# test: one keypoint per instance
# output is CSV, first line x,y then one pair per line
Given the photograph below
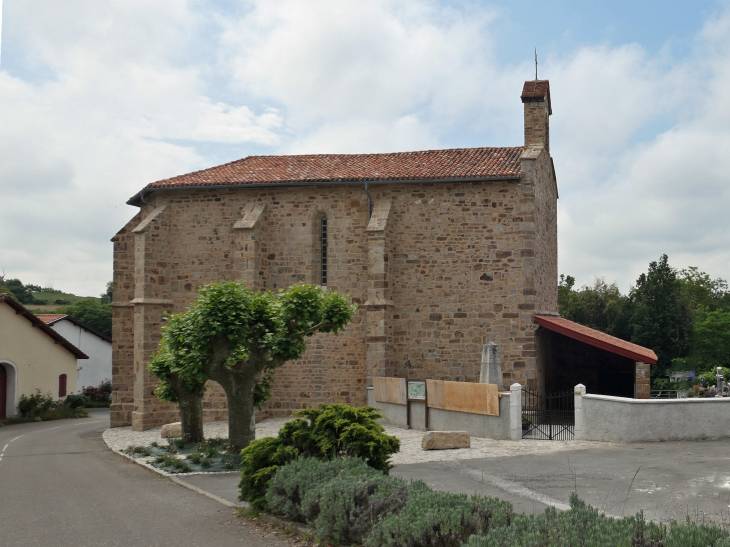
x,y
141,196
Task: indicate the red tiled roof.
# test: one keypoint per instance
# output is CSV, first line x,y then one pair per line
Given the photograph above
x,y
36,322
596,338
50,317
537,90
457,163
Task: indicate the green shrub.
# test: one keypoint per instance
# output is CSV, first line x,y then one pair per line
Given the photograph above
x,y
195,457
345,508
175,465
216,443
291,482
432,518
342,498
36,404
325,432
259,462
586,527
328,431
137,451
62,413
75,401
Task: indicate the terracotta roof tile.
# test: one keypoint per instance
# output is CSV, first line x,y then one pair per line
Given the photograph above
x,y
466,163
50,317
596,338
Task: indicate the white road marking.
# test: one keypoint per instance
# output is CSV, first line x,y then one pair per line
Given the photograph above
x,y
517,489
522,491
2,453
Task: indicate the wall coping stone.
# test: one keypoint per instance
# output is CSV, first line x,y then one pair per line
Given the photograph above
x,y
693,400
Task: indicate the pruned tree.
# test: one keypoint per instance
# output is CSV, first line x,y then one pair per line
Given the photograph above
x,y
177,384
236,337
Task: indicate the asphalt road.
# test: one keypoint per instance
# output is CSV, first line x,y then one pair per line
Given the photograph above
x,y
61,486
668,480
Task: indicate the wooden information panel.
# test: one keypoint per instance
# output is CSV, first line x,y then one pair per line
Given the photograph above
x,y
390,390
463,397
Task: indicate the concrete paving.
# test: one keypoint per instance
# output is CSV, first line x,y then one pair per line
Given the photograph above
x,y
668,480
60,485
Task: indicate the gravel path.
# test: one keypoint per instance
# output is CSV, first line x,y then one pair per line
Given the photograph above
x,y
120,438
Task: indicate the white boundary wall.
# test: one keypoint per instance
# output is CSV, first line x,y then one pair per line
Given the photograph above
x,y
617,419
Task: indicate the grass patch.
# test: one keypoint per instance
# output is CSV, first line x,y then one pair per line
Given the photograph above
x,y
172,464
138,451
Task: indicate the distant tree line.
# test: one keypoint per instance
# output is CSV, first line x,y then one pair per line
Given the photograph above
x,y
89,311
683,315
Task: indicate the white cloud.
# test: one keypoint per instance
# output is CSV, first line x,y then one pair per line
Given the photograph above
x,y
99,98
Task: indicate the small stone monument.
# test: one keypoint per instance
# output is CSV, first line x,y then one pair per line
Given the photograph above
x,y
491,372
720,382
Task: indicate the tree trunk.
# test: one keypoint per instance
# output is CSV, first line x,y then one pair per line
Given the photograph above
x,y
191,410
191,416
239,390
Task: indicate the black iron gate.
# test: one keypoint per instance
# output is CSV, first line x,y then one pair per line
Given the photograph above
x,y
548,416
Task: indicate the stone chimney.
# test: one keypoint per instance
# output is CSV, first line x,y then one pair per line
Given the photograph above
x,y
536,98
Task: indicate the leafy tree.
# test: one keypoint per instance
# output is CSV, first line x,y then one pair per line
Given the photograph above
x,y
234,336
700,291
660,319
711,340
177,384
106,297
92,313
20,292
601,306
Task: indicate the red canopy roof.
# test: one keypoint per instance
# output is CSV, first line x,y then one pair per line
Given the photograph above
x,y
596,338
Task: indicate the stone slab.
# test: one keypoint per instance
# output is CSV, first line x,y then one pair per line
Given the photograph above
x,y
442,440
171,430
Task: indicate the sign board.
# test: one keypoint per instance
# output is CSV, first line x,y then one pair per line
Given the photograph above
x,y
417,390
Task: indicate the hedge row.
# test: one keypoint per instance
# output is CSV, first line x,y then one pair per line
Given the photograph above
x,y
348,502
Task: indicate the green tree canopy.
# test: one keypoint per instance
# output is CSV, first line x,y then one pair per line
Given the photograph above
x,y
233,336
92,313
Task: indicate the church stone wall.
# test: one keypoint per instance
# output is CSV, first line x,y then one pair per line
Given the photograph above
x,y
462,264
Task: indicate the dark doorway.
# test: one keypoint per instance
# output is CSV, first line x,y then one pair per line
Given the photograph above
x,y
566,362
3,390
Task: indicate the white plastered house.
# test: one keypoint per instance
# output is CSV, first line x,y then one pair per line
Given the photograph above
x,y
32,356
98,367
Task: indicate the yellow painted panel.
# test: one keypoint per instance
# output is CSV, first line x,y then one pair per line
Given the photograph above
x,y
390,390
464,397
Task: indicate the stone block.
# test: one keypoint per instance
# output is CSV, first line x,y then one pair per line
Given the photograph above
x,y
171,430
442,440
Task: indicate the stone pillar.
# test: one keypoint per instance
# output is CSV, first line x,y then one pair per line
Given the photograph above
x,y
515,411
151,301
491,372
378,307
247,245
123,326
643,381
578,393
720,382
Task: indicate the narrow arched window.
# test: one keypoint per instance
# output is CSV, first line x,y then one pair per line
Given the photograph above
x,y
323,251
62,385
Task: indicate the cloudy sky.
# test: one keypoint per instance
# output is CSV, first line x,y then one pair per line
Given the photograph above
x,y
99,98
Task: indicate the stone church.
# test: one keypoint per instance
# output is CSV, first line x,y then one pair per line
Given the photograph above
x,y
442,250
